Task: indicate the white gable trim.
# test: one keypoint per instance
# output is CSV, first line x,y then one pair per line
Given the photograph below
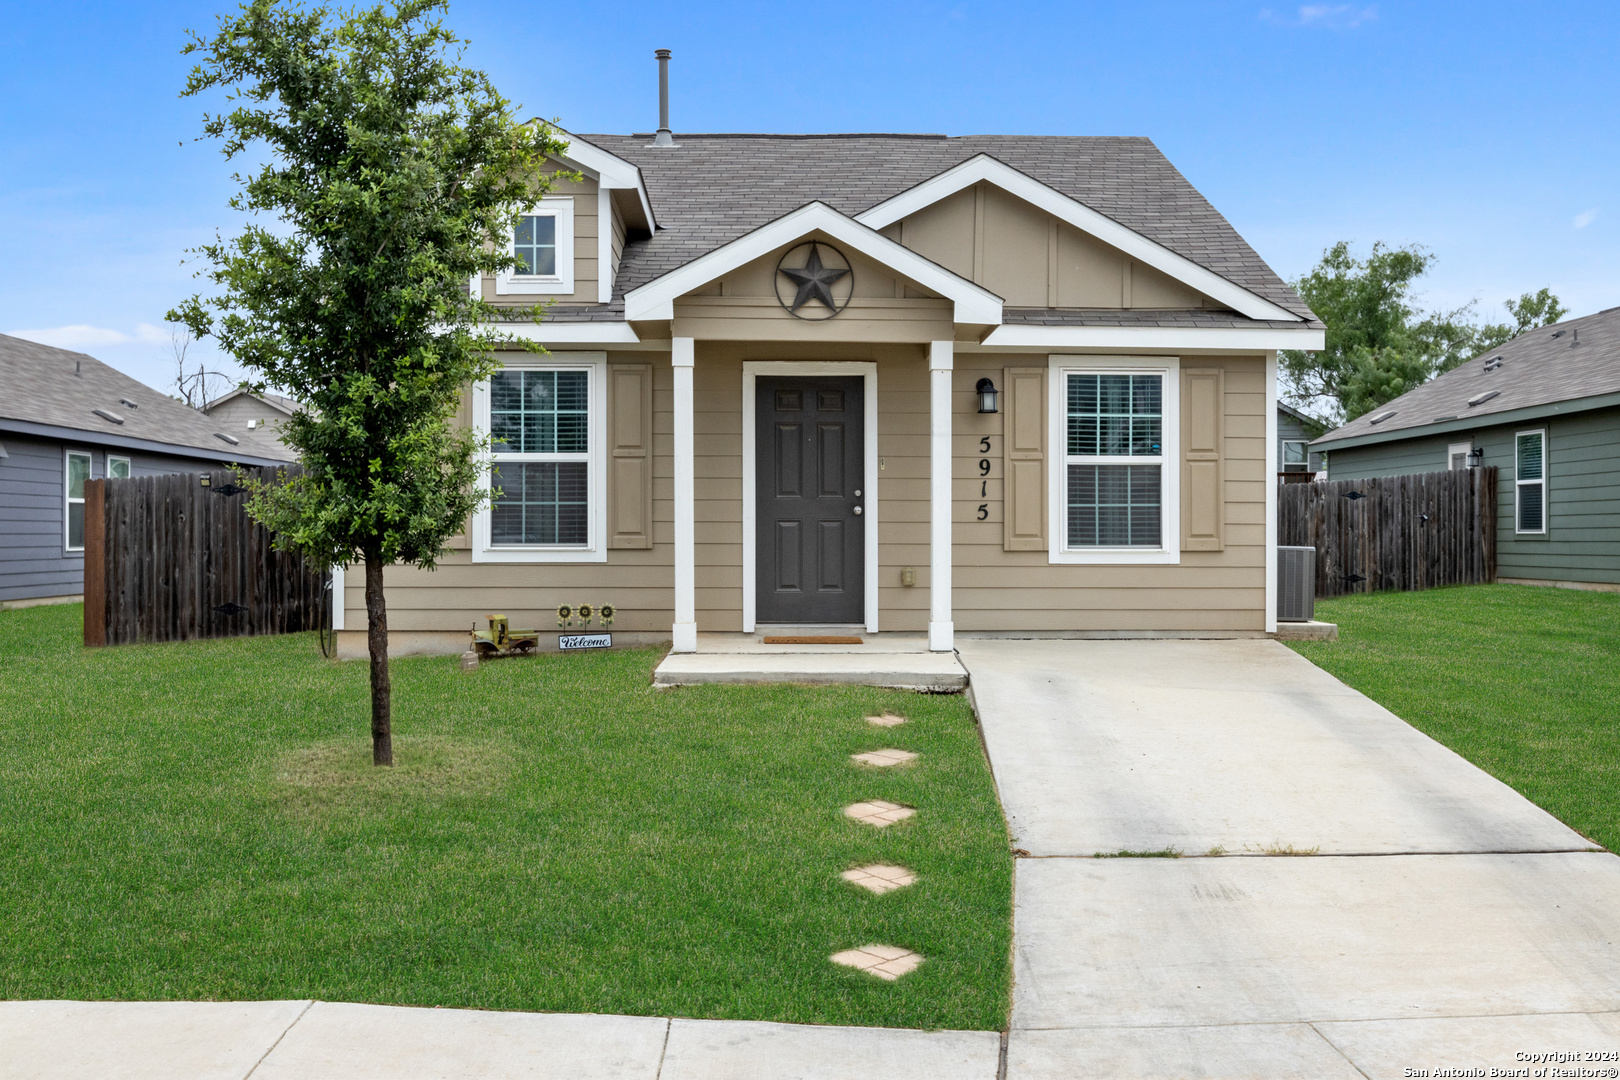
x,y
656,299
611,172
1156,337
986,168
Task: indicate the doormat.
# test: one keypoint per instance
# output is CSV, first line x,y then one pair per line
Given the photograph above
x,y
827,639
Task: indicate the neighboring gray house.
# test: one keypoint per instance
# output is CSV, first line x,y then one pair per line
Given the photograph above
x,y
243,410
1295,430
66,418
1544,409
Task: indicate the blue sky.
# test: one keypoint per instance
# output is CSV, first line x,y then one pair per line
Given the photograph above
x,y
1485,131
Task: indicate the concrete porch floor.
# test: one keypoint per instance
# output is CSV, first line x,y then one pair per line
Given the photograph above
x,y
890,659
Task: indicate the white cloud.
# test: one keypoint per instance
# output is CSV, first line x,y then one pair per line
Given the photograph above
x,y
1585,218
82,336
1333,16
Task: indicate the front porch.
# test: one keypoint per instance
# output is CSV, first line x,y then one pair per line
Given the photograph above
x,y
790,654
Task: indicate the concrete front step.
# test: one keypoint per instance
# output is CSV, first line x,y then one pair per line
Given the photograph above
x,y
934,672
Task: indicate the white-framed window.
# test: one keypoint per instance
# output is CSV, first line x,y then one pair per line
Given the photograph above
x,y
1116,487
546,416
117,468
75,472
543,243
1296,455
1457,455
1530,482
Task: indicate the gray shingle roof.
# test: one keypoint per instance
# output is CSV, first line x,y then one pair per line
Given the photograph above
x,y
1539,367
1194,318
711,189
40,384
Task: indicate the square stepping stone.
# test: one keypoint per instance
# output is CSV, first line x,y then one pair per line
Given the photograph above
x,y
886,720
878,813
879,878
885,961
884,759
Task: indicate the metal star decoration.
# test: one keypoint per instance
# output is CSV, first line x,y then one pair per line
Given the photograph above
x,y
814,281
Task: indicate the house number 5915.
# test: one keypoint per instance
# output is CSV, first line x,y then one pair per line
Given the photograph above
x,y
984,470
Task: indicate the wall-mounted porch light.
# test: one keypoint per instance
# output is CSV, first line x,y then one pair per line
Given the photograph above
x,y
987,395
1475,458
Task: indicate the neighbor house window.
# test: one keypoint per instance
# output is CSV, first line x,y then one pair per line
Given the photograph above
x,y
545,467
1530,482
1296,455
117,468
78,471
1115,497
542,246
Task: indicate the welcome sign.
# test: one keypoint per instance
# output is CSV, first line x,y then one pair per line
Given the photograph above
x,y
584,641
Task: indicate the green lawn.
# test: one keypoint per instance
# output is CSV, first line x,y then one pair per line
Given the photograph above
x,y
1523,681
200,821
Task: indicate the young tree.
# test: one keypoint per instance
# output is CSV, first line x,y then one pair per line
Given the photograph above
x,y
1378,345
393,176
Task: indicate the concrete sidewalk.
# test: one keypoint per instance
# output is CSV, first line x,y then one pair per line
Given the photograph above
x,y
1456,927
303,1040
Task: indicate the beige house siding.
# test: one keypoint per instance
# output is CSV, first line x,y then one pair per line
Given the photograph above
x,y
1031,259
996,589
639,583
583,192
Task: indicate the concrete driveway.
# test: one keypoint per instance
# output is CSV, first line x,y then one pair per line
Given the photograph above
x,y
1444,922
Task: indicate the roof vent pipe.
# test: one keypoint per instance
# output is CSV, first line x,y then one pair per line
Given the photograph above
x,y
665,137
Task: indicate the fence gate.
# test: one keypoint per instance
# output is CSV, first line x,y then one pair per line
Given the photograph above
x,y
174,557
1394,532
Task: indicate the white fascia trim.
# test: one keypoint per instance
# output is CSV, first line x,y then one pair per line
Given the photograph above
x,y
604,246
604,333
752,369
986,168
1169,551
1156,337
655,300
612,171
595,549
1272,469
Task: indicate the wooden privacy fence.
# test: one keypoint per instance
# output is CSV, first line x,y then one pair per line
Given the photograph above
x,y
1394,532
167,558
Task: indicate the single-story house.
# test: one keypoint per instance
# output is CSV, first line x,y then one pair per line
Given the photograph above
x,y
1295,430
895,383
244,410
66,418
1545,410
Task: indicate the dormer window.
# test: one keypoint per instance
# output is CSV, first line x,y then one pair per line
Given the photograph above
x,y
535,244
542,245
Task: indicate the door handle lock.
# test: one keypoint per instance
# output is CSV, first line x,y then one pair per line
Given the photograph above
x,y
857,511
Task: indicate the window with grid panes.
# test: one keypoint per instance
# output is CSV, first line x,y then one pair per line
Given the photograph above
x,y
540,470
1114,460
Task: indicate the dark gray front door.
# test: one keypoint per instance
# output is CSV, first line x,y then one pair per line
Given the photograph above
x,y
810,433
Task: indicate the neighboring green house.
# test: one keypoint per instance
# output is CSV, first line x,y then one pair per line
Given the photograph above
x,y
1544,409
1295,430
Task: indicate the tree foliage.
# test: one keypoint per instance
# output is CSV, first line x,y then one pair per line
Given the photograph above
x,y
392,176
1378,343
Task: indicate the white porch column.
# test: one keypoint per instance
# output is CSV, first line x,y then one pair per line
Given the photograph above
x,y
685,629
941,630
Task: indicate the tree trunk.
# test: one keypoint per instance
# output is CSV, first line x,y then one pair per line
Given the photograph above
x,y
382,732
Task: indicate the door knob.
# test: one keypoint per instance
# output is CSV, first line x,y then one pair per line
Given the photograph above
x,y
857,511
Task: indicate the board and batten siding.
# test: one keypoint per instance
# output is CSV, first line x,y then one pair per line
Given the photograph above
x,y
1582,542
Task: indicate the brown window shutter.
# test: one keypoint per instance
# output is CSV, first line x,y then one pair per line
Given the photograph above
x,y
1203,470
1023,393
629,456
